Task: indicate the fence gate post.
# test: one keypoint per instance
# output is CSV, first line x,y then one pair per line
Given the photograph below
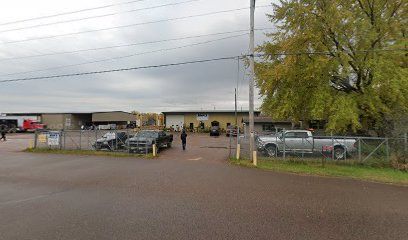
x,y
238,151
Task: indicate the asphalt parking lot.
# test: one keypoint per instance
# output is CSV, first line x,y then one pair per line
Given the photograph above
x,y
185,195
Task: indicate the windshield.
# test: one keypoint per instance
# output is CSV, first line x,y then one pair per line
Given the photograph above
x,y
110,135
147,134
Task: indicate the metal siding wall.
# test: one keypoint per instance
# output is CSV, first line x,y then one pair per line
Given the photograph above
x,y
53,121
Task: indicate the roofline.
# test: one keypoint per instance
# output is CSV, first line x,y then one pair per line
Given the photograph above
x,y
54,113
207,111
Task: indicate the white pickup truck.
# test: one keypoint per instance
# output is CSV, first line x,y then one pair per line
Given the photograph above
x,y
302,141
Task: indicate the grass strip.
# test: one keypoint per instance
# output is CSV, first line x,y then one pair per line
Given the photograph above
x,y
360,172
89,153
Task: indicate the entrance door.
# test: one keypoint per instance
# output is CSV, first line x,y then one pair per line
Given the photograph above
x,y
191,126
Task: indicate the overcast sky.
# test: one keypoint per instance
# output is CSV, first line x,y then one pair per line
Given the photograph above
x,y
199,86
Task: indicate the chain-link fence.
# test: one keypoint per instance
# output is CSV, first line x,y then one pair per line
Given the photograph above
x,y
125,141
302,145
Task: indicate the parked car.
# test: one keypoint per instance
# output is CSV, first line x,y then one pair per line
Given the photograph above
x,y
302,141
143,141
111,141
215,131
231,131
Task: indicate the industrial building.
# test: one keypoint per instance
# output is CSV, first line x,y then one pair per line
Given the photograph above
x,y
76,120
264,124
202,120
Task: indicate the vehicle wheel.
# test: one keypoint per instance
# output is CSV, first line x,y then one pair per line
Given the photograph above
x,y
271,151
339,153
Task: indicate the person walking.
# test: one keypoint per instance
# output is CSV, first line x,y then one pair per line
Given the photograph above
x,y
3,130
184,139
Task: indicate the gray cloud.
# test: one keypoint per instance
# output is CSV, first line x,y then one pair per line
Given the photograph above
x,y
199,86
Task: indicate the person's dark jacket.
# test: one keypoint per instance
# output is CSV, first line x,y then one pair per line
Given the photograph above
x,y
184,137
3,129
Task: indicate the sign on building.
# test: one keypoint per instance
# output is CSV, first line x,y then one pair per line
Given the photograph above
x,y
53,139
202,116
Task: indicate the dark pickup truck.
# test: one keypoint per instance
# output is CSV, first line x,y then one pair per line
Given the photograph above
x,y
143,141
111,141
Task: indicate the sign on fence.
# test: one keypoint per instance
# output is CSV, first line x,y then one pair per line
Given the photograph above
x,y
42,138
53,139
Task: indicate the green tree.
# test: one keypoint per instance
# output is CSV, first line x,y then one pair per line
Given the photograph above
x,y
346,62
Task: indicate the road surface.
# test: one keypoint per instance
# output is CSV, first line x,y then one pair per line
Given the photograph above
x,y
185,195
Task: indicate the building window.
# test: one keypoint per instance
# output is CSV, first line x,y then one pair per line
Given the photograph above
x,y
317,124
228,124
215,124
268,127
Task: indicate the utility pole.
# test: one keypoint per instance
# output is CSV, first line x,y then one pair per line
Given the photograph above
x,y
252,83
236,115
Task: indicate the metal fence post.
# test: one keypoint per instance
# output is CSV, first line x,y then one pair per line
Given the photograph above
x,y
406,142
80,139
127,141
284,146
60,140
65,135
332,147
359,149
345,150
387,150
230,142
35,139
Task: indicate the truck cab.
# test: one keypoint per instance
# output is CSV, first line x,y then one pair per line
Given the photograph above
x,y
31,125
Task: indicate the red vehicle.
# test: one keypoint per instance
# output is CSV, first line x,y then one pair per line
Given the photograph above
x,y
31,125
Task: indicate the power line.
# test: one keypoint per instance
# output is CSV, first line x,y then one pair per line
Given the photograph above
x,y
118,70
71,12
126,56
132,25
97,16
168,65
127,45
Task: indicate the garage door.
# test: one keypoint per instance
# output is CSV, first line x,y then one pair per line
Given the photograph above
x,y
174,121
